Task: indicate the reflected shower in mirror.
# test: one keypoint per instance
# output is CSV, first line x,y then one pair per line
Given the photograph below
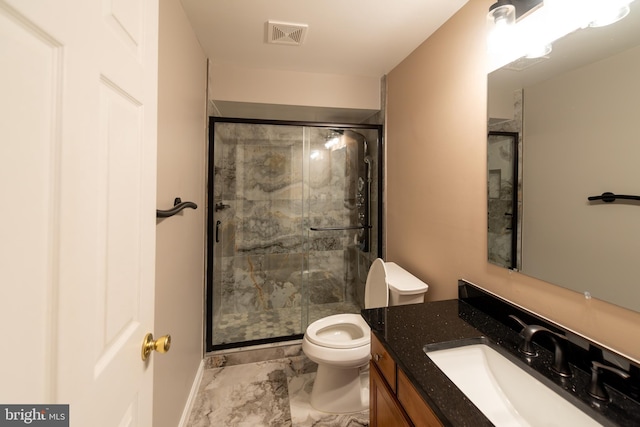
x,y
502,196
577,114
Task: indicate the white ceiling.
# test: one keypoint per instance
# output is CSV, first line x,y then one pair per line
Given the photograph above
x,y
350,37
345,37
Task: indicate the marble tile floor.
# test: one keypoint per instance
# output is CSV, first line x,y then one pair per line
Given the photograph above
x,y
266,393
283,322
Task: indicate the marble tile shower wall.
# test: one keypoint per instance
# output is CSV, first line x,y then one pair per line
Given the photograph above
x,y
262,253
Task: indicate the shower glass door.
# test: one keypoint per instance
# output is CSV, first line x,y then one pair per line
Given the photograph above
x,y
270,274
342,212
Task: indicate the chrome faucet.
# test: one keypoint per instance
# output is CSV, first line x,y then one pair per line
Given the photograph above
x,y
596,388
560,364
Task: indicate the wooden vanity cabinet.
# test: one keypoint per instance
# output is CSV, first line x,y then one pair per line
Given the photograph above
x,y
384,362
393,400
384,408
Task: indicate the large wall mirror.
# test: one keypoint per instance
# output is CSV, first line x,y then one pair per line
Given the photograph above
x,y
576,117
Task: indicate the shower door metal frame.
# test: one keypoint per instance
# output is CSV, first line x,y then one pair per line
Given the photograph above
x,y
212,232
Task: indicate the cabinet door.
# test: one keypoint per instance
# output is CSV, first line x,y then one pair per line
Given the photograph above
x,y
384,362
419,412
384,408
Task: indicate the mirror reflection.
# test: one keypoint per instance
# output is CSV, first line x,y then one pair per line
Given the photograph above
x,y
576,117
502,164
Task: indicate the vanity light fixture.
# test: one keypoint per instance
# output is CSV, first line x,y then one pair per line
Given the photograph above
x,y
533,37
609,12
502,18
508,12
502,13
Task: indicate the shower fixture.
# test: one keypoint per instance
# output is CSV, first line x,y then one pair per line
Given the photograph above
x,y
334,140
221,206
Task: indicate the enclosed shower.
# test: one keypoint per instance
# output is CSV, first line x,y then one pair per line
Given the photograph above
x,y
293,225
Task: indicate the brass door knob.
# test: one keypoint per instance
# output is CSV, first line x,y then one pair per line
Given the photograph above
x,y
161,345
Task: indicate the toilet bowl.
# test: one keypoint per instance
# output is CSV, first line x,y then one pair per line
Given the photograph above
x,y
341,344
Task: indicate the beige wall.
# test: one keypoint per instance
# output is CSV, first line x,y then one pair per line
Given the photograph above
x,y
436,184
180,239
280,87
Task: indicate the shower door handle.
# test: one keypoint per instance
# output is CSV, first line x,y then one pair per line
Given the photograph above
x,y
218,231
348,227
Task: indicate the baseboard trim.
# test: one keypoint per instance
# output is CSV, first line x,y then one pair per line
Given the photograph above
x,y
186,413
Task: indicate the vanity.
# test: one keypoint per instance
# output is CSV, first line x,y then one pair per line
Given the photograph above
x,y
393,398
407,388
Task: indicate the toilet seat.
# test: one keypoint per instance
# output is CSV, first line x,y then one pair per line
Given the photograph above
x,y
339,331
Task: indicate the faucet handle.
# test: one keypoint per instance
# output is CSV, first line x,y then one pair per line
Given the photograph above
x,y
517,319
529,330
527,333
526,347
560,364
596,387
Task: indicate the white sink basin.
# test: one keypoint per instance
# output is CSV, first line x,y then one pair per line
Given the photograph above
x,y
506,394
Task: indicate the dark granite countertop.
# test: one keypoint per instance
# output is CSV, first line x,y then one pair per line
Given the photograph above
x,y
405,330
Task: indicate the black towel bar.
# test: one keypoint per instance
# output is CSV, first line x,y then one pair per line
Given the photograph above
x,y
608,197
178,205
347,227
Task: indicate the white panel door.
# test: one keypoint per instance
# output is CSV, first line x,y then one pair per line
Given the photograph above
x,y
78,86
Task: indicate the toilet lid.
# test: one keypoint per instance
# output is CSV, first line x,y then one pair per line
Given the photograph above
x,y
376,291
402,282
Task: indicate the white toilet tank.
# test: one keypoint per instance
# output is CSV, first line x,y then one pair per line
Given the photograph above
x,y
404,287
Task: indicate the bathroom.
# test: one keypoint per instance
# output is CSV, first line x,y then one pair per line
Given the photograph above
x,y
435,195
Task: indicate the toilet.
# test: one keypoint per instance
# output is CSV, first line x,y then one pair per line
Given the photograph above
x,y
341,344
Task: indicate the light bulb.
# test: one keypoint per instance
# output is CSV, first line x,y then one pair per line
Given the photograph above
x,y
606,12
501,20
539,51
502,14
608,16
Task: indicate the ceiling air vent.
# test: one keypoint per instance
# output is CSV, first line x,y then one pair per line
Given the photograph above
x,y
286,33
